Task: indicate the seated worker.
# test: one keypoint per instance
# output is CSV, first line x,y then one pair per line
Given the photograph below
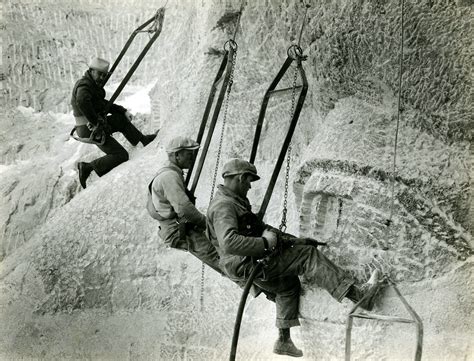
x,y
227,222
182,226
88,104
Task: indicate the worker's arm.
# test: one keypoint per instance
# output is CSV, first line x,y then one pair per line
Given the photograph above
x,y
225,223
173,188
84,103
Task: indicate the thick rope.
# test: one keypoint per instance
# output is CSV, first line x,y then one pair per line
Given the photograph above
x,y
395,148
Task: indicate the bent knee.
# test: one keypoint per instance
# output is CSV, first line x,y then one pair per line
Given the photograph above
x,y
122,156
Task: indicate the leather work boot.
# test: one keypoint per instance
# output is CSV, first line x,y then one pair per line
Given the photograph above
x,y
85,170
147,139
368,291
287,347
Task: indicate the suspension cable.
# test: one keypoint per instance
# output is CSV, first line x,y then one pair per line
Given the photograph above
x,y
399,111
302,25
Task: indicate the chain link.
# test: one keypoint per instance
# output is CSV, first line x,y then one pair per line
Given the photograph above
x,y
288,159
219,151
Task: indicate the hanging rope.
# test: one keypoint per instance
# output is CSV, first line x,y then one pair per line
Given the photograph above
x,y
395,148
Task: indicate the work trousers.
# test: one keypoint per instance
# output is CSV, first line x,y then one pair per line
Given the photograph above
x,y
115,153
195,243
280,280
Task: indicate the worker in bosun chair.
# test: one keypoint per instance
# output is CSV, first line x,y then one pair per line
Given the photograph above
x,y
182,226
229,218
88,102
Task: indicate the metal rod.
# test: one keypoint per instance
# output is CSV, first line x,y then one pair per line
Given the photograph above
x,y
126,46
207,110
213,122
348,337
135,64
286,142
418,321
382,318
263,107
273,92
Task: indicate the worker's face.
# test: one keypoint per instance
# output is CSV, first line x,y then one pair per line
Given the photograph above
x,y
99,77
185,158
244,184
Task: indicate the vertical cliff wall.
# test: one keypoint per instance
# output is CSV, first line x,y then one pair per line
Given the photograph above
x,y
83,274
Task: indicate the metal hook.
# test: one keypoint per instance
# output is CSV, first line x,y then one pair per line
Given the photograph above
x,y
231,43
295,52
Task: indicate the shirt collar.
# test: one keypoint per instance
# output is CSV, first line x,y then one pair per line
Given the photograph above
x,y
174,167
231,194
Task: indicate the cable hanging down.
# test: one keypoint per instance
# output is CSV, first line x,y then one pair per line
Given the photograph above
x,y
399,114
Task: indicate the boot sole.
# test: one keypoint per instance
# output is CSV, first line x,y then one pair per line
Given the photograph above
x,y
286,353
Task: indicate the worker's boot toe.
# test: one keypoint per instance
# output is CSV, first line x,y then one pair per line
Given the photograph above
x,y
85,170
147,139
287,347
369,290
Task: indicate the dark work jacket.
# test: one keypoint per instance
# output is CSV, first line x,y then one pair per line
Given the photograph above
x,y
235,249
88,99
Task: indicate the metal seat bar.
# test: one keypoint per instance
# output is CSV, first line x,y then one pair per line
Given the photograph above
x,y
415,319
382,318
274,92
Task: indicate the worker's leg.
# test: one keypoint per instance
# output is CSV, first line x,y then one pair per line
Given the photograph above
x,y
315,266
202,248
119,123
286,294
287,297
115,153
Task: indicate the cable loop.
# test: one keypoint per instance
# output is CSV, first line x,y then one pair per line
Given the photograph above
x,y
232,44
295,52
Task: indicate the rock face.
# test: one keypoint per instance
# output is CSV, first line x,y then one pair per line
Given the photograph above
x,y
83,274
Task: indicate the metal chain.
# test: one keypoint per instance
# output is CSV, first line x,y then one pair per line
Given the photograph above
x,y
219,151
224,120
288,159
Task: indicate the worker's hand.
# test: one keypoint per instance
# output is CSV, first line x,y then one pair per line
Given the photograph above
x,y
129,116
271,238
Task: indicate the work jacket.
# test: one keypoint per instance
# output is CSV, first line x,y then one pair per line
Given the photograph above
x,y
88,99
236,251
172,203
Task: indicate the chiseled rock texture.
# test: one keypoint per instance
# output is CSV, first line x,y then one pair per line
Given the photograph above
x,y
83,273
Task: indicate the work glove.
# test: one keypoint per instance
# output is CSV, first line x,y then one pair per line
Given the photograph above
x,y
129,116
271,238
102,124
